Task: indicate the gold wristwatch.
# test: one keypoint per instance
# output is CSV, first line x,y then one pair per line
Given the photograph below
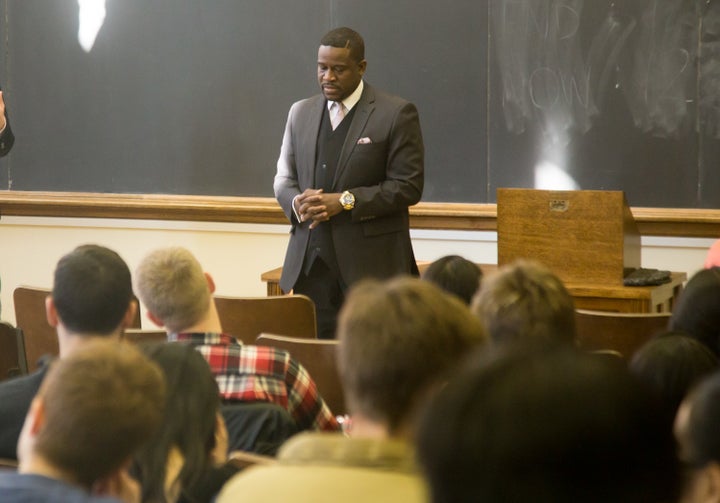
x,y
347,200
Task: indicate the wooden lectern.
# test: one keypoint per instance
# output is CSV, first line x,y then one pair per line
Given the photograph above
x,y
583,236
588,238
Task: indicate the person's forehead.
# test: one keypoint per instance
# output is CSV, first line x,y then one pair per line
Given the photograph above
x,y
327,53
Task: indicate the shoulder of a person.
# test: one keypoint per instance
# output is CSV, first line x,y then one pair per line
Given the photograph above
x,y
385,98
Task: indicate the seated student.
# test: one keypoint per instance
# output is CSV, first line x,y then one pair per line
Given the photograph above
x,y
91,299
525,302
713,255
178,296
696,428
94,408
399,341
456,275
697,310
671,364
548,425
186,460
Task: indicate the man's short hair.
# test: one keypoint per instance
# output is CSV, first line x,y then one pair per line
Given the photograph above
x,y
92,290
172,285
345,38
398,339
548,425
456,275
526,302
101,403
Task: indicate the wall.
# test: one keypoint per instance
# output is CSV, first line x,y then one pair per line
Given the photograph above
x,y
237,254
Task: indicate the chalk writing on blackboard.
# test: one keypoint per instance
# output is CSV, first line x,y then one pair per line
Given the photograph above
x,y
662,55
546,76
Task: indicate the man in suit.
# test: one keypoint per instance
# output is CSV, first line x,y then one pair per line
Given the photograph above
x,y
351,164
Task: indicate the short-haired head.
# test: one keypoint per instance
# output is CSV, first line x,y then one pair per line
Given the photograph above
x,y
525,302
173,287
548,425
100,403
697,310
455,275
398,339
345,38
92,290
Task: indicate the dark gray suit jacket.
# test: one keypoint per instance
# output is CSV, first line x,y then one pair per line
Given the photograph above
x,y
381,163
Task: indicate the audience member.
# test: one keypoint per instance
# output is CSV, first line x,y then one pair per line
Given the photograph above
x,y
671,364
91,298
399,341
94,408
186,461
699,443
549,426
178,296
525,302
456,275
697,310
713,255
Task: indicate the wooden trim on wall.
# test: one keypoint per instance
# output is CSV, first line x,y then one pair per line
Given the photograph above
x,y
456,216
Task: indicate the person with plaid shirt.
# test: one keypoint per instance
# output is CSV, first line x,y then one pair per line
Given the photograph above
x,y
177,294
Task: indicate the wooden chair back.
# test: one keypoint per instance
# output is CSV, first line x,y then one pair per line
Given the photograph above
x,y
318,356
11,364
8,464
248,317
38,336
621,332
140,335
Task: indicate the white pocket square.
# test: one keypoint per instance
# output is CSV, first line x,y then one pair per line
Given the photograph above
x,y
364,140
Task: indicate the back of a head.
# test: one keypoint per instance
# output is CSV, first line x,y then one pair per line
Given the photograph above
x,y
100,404
397,339
172,285
456,275
672,364
548,426
92,290
189,420
697,310
526,302
697,424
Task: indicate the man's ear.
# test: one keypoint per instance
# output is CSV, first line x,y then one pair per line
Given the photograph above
x,y
157,321
130,314
210,282
36,416
51,312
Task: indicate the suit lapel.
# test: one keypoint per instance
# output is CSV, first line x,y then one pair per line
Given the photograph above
x,y
363,110
309,131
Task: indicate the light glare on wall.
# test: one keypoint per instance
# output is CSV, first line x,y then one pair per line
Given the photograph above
x,y
91,17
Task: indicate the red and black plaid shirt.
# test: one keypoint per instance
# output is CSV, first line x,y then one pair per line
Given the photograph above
x,y
262,374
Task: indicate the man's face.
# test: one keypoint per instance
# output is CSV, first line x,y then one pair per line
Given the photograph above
x,y
338,73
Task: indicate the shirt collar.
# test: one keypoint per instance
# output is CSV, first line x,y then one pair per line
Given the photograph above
x,y
351,100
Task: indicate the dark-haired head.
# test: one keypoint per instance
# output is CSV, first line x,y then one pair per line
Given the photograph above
x,y
671,364
546,425
345,38
696,428
189,423
456,275
92,290
697,311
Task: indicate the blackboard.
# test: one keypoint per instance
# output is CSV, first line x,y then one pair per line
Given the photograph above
x,y
191,97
